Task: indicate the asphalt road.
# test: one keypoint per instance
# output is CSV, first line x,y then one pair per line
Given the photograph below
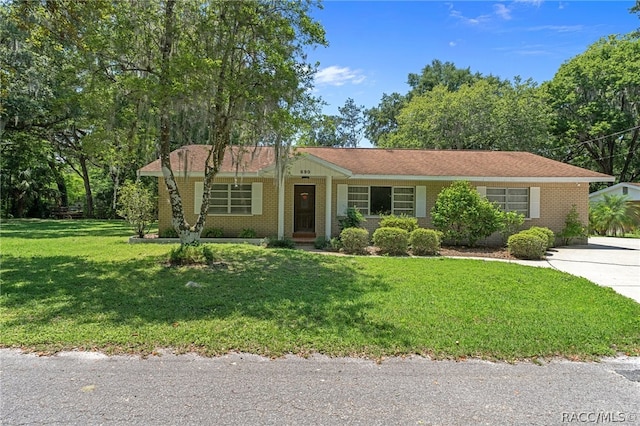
x,y
93,389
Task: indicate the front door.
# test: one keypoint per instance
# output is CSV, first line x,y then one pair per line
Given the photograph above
x,y
304,209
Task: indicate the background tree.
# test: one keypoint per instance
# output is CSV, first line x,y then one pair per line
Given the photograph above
x,y
484,115
442,74
382,121
344,130
596,100
350,124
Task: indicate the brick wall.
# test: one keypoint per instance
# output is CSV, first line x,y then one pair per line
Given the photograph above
x,y
556,200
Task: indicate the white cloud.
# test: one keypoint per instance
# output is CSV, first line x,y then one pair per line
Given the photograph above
x,y
469,21
558,28
338,76
452,44
502,11
536,3
499,10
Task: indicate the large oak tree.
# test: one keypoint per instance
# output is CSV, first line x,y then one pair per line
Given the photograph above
x,y
207,72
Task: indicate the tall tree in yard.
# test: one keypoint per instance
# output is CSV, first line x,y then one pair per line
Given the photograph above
x,y
596,99
213,72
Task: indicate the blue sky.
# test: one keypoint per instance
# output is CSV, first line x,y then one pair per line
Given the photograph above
x,y
374,45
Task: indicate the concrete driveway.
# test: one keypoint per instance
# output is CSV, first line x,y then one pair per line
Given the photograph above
x,y
608,261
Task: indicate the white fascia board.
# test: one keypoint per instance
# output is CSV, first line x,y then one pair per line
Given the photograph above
x,y
522,179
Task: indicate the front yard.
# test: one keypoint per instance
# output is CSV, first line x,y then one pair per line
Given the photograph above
x,y
79,284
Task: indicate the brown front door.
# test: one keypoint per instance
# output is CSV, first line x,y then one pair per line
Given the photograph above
x,y
304,209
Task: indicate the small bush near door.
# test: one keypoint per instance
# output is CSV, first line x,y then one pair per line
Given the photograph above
x,y
354,240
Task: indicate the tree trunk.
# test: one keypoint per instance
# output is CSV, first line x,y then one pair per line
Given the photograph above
x,y
115,178
187,234
60,183
88,213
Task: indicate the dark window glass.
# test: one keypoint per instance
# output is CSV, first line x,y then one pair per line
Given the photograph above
x,y
380,200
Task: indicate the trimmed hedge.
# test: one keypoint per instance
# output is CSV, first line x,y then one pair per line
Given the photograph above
x,y
354,240
546,233
424,242
394,241
527,245
403,221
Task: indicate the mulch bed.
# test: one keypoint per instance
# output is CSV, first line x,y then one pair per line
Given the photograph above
x,y
462,251
491,252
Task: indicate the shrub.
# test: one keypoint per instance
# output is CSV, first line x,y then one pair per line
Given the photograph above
x,y
547,233
462,214
274,242
573,227
248,233
353,219
354,240
527,245
137,206
321,242
168,233
212,233
191,255
614,216
403,221
510,223
394,241
335,244
424,241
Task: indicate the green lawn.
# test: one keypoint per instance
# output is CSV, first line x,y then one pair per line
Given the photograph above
x,y
79,284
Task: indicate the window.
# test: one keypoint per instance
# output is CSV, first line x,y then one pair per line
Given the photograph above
x,y
228,198
625,190
510,199
376,200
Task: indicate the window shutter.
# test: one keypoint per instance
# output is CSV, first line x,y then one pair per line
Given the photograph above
x,y
197,201
421,201
482,190
534,202
256,198
342,201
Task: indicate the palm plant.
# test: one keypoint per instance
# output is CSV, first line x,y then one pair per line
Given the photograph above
x,y
614,215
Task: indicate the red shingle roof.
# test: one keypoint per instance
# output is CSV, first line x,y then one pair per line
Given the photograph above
x,y
394,162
